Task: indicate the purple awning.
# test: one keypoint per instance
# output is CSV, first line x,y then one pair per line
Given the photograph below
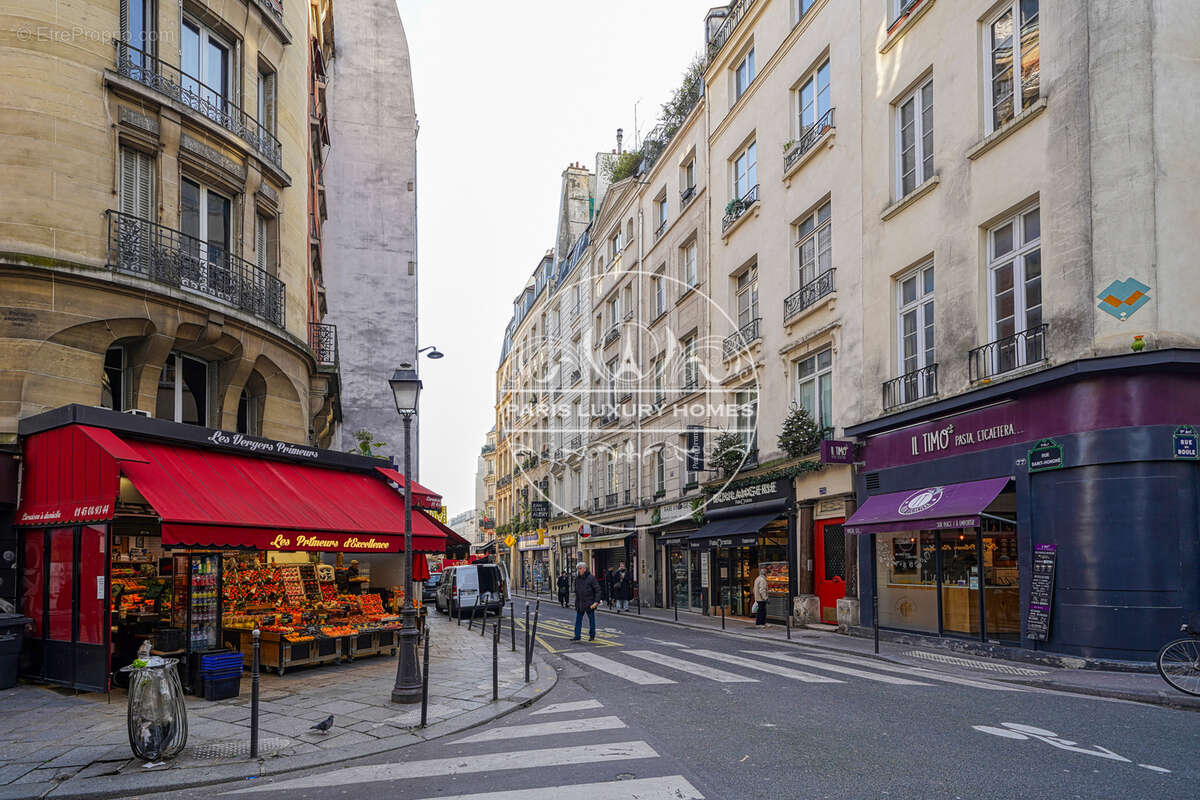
x,y
955,505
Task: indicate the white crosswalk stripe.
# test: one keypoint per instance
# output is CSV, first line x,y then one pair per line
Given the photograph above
x,y
774,669
461,765
563,708
836,668
664,641
503,732
703,670
672,787
932,675
616,668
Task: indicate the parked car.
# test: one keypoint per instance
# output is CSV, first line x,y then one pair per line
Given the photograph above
x,y
429,589
462,588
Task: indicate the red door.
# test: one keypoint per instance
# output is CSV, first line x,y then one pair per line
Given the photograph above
x,y
829,559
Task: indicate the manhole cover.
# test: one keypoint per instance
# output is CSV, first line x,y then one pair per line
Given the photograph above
x,y
215,750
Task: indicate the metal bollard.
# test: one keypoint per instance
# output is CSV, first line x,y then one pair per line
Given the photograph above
x,y
459,615
675,605
483,622
512,622
496,661
527,642
533,635
787,620
254,670
722,616
474,609
425,682
638,598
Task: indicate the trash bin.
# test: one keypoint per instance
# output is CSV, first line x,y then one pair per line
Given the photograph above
x,y
12,634
156,717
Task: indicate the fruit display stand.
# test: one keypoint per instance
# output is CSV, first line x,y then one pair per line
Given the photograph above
x,y
279,651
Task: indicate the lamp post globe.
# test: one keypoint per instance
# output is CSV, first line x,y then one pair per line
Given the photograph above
x,y
406,388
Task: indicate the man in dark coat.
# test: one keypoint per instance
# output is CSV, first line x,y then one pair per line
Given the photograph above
x,y
564,588
610,585
622,586
587,597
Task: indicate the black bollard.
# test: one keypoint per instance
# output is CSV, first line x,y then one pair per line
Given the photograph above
x,y
496,661
425,682
787,620
254,670
722,616
527,642
638,598
483,622
458,614
675,605
512,622
533,636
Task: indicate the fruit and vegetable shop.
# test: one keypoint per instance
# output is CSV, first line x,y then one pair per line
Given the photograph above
x,y
133,529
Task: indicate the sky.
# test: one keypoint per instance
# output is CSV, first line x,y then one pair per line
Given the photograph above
x,y
508,95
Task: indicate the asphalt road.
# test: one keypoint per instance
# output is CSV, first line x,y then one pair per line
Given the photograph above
x,y
652,712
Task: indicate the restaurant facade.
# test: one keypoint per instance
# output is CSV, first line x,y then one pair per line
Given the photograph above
x,y
130,529
1056,511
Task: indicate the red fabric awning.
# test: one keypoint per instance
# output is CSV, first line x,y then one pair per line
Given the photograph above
x,y
71,475
452,537
422,497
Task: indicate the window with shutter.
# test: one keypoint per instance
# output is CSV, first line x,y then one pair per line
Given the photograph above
x,y
260,242
137,184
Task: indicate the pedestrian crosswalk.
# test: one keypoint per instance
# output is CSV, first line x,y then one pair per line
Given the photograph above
x,y
410,779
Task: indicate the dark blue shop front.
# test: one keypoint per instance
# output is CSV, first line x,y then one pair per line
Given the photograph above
x,y
1090,545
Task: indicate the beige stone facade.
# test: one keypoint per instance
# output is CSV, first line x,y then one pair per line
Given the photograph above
x,y
149,213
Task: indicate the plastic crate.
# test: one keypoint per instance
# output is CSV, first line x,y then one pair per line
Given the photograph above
x,y
213,661
222,688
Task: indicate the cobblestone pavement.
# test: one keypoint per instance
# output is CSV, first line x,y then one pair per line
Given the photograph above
x,y
52,739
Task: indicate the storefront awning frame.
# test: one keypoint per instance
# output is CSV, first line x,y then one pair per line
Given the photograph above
x,y
946,507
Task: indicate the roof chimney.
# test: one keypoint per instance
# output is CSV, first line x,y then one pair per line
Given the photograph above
x,y
620,137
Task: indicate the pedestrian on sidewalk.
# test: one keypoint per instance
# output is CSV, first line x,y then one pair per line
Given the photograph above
x,y
564,588
621,582
587,597
759,591
606,588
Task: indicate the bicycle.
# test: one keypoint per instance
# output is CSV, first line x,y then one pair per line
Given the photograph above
x,y
1179,661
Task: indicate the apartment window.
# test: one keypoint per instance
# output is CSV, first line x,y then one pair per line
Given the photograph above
x,y
1015,286
814,245
914,303
747,297
914,138
183,390
612,385
614,244
690,278
113,384
803,7
660,387
743,74
814,387
746,402
206,66
1011,37
266,243
745,171
266,99
136,190
689,174
660,472
901,7
138,27
249,412
628,301
614,310
691,364
813,99
660,295
205,217
628,232
660,212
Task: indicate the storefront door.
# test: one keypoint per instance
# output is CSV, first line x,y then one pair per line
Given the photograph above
x,y
829,561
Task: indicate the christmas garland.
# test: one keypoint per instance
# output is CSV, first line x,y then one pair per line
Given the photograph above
x,y
777,474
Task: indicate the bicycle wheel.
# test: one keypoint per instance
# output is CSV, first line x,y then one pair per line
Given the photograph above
x,y
1179,664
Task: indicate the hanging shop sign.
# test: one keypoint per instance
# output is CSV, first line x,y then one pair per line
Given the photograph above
x,y
835,452
704,569
695,448
540,510
1047,454
1041,592
1185,442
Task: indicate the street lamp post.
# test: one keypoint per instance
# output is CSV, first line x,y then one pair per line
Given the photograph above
x,y
406,387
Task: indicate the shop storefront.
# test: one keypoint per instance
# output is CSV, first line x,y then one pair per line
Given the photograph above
x,y
748,530
607,547
132,529
535,563
1085,475
668,528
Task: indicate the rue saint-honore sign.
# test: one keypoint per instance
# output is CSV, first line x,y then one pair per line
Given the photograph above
x,y
1047,454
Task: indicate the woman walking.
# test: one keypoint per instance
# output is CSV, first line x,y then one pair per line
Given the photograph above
x,y
760,599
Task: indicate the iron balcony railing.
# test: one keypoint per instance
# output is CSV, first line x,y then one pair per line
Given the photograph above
x,y
808,294
322,338
660,230
741,338
576,376
576,442
504,481
736,11
140,66
807,139
910,387
628,496
686,195
610,500
487,448
274,7
1013,352
738,207
172,258
613,334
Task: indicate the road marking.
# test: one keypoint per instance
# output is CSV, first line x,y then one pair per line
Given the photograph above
x,y
774,669
673,787
461,765
978,683
704,671
838,668
1154,768
562,708
545,729
631,674
663,641
550,628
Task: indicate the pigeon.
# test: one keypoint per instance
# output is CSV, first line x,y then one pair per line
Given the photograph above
x,y
324,725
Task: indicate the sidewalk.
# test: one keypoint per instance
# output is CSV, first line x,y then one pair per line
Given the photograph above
x,y
1131,681
55,743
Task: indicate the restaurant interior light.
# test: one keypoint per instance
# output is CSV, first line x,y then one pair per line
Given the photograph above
x,y
406,386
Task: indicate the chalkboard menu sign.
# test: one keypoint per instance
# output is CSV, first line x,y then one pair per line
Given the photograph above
x,y
1041,594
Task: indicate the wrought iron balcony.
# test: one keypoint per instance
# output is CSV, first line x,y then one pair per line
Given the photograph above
x,y
487,448
742,338
736,11
610,500
807,139
628,496
576,442
140,66
1021,349
911,387
738,207
576,376
808,294
505,480
686,196
660,230
274,7
322,338
613,334
172,258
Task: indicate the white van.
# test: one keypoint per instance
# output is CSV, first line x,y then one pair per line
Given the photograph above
x,y
464,587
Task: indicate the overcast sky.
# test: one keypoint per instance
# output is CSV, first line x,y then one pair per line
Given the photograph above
x,y
508,95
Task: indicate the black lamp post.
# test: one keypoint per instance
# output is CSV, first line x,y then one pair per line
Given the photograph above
x,y
406,387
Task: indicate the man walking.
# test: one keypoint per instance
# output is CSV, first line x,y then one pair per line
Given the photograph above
x,y
564,588
759,591
587,597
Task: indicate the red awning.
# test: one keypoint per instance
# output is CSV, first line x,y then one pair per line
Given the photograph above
x,y
422,497
71,475
452,537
